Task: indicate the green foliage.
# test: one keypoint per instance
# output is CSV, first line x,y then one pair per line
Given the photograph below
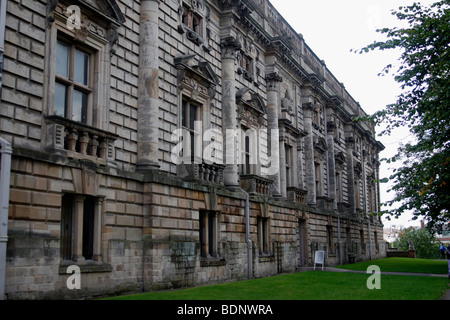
x,y
422,184
425,243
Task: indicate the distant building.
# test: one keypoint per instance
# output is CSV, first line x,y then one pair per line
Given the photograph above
x,y
391,233
164,144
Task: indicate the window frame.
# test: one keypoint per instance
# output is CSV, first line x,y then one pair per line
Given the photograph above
x,y
318,178
289,167
80,237
209,234
191,16
89,42
188,124
263,229
248,150
72,85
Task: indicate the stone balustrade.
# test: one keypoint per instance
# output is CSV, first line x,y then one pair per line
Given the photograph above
x,y
296,195
77,138
204,173
255,184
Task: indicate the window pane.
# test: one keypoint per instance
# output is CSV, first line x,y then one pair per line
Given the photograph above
x,y
81,68
62,59
60,99
79,112
192,116
184,115
88,228
66,227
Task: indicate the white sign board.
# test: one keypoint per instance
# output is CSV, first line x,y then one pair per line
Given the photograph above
x,y
319,259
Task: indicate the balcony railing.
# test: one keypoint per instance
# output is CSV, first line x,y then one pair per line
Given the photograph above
x,y
209,173
296,195
79,140
255,184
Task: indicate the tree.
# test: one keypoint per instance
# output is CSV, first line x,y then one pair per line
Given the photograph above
x,y
425,243
422,184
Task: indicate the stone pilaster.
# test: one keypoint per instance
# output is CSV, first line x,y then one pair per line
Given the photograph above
x,y
230,48
148,87
273,81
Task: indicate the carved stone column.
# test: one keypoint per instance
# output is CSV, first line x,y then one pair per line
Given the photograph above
x,y
98,229
148,87
331,127
273,81
78,229
350,142
229,112
310,172
282,159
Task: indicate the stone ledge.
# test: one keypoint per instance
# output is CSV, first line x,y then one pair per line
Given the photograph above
x,y
267,259
213,263
88,267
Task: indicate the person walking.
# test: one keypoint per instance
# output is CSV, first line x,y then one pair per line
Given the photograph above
x,y
442,250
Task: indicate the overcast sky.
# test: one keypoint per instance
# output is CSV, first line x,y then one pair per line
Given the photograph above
x,y
331,29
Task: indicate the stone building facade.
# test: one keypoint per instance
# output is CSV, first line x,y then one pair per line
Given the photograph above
x,y
164,144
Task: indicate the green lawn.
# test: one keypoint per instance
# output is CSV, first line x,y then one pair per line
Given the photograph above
x,y
402,265
321,285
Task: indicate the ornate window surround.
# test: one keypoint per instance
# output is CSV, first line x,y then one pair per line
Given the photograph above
x,y
99,21
197,83
195,9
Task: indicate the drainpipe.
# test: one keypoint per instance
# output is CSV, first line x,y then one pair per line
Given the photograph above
x,y
5,174
5,171
247,236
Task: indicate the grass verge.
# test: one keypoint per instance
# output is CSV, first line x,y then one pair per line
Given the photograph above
x,y
406,265
311,285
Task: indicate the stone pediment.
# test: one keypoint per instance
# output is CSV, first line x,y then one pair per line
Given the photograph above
x,y
107,7
100,8
320,145
249,98
201,71
340,157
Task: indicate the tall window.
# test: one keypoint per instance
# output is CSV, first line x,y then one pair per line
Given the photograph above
x,y
357,194
318,174
248,150
330,238
189,115
246,165
73,82
263,235
209,234
339,197
191,20
362,241
349,240
80,218
289,164
371,200
377,245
